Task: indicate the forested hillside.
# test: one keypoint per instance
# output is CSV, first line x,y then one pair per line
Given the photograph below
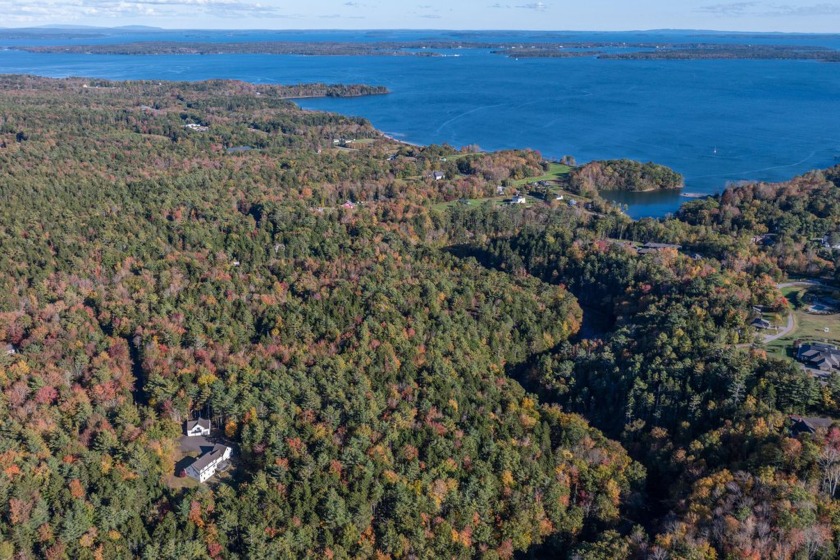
x,y
398,377
361,374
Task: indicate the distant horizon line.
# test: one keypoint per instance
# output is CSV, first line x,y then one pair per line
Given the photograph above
x,y
68,27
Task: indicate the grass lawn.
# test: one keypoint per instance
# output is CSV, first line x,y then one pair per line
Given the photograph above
x,y
556,171
180,483
809,327
182,461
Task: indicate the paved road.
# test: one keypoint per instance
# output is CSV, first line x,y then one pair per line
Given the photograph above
x,y
784,331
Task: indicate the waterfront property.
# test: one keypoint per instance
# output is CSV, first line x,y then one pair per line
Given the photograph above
x,y
206,466
200,427
816,355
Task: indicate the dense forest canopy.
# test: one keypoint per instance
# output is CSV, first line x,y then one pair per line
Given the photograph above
x,y
622,175
398,375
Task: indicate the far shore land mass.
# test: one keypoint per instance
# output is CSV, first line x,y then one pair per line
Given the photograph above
x,y
570,49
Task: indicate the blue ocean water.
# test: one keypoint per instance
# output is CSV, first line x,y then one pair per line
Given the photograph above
x,y
713,121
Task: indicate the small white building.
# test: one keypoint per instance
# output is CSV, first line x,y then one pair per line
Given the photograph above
x,y
439,175
206,466
9,349
200,427
518,200
826,241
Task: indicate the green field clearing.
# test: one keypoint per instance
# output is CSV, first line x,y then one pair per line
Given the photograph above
x,y
809,327
556,171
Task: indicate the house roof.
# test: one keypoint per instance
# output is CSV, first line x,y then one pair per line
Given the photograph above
x,y
651,245
209,458
819,422
810,424
200,422
819,354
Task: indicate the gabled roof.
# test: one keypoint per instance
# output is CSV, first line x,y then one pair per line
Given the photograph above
x,y
819,354
201,422
809,425
818,422
209,458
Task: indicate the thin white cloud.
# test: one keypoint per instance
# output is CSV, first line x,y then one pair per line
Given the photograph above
x,y
34,11
536,6
741,15
730,9
763,9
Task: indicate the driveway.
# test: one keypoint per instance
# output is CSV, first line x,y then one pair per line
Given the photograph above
x,y
784,331
195,444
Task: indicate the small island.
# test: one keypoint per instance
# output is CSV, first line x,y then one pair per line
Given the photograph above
x,y
622,175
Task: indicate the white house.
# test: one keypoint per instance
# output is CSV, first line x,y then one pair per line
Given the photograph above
x,y
826,241
200,427
518,200
207,465
9,349
439,175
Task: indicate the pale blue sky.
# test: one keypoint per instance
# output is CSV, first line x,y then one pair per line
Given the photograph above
x,y
784,15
